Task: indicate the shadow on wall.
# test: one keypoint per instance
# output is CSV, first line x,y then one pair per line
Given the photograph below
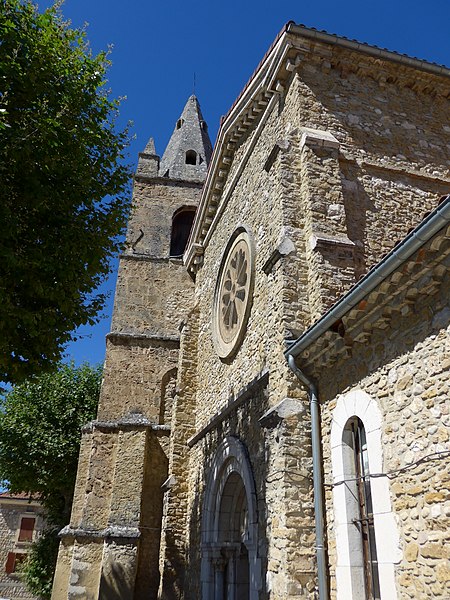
x,y
116,584
156,472
174,569
244,425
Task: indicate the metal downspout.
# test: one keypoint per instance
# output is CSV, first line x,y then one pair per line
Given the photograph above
x,y
317,478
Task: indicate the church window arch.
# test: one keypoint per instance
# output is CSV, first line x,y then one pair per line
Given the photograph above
x,y
367,543
191,157
180,123
181,228
231,568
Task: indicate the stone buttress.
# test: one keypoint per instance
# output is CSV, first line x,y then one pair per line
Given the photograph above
x,y
110,549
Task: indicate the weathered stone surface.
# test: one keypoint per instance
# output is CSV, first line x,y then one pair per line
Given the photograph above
x,y
111,549
12,509
325,174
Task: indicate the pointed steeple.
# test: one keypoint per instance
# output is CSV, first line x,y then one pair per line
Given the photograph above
x,y
189,149
148,162
150,147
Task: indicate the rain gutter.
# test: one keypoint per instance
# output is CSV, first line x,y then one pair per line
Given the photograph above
x,y
434,222
319,509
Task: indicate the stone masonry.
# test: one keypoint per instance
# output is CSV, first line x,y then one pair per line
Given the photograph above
x,y
195,482
111,547
14,543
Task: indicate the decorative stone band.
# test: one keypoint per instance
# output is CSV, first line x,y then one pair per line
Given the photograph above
x,y
113,532
167,181
142,256
259,382
131,421
125,338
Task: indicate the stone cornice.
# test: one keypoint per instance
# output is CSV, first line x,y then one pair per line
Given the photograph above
x,y
22,502
259,382
150,258
129,422
295,46
168,181
129,338
112,532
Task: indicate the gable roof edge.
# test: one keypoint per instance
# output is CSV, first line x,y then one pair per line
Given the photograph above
x,y
265,83
369,49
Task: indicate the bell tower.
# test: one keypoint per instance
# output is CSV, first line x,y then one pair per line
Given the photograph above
x,y
110,549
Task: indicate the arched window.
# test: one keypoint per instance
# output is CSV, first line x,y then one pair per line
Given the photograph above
x,y
168,384
181,228
367,543
180,123
191,157
230,564
358,470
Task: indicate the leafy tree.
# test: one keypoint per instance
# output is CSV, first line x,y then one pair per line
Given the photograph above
x,y
64,187
40,423
40,431
39,568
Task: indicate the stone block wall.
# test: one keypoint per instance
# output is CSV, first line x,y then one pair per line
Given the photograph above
x,y
11,512
135,373
152,296
154,203
405,371
338,204
111,548
174,544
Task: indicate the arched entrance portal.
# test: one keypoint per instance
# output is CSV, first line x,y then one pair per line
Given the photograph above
x,y
231,569
232,566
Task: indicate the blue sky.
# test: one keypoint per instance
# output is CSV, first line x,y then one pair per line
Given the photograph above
x,y
158,46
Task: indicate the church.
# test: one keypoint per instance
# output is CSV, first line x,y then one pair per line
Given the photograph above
x,y
274,418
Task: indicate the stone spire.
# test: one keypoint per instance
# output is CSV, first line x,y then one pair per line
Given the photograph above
x,y
148,162
189,149
150,147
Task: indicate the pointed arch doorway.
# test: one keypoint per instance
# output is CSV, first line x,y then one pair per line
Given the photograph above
x,y
231,568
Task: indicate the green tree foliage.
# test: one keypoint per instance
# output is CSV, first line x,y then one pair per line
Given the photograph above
x,y
40,431
64,187
39,568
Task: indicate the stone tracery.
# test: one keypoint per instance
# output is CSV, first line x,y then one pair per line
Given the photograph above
x,y
233,295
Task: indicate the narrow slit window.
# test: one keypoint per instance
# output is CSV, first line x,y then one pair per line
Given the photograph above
x,y
365,520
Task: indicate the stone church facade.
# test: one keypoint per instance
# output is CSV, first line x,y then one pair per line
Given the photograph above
x,y
274,418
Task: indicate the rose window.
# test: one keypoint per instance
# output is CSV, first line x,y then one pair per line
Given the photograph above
x,y
232,296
